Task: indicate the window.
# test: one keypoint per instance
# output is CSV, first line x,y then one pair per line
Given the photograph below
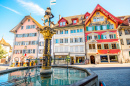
x,y
72,31
104,27
120,33
80,39
81,30
71,49
61,31
113,46
89,28
95,37
76,40
21,27
98,27
111,36
90,37
94,19
76,48
98,19
99,46
121,40
60,23
28,27
77,30
129,53
33,26
81,48
111,26
40,51
102,19
105,46
56,40
56,31
127,31
66,31
56,49
104,37
66,48
74,21
86,17
113,58
33,50
91,46
128,41
71,40
61,40
63,23
33,42
97,13
66,40
28,20
104,58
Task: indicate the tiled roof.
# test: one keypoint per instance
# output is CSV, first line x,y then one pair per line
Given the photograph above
x,y
125,20
2,41
69,20
23,20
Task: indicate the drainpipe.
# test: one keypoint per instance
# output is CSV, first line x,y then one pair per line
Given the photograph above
x,y
38,45
12,50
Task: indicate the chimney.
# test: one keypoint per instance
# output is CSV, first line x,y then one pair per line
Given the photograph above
x,y
59,17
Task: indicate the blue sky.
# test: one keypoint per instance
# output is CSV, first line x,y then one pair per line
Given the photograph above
x,y
13,11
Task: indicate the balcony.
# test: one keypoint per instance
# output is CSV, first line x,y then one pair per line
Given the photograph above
x,y
92,51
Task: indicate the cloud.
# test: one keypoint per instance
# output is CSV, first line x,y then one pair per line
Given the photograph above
x,y
32,7
11,10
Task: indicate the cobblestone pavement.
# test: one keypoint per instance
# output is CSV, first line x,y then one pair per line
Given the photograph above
x,y
116,76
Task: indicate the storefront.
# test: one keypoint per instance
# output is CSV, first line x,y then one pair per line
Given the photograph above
x,y
108,58
80,59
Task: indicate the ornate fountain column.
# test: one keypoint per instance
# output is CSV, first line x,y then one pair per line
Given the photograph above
x,y
47,33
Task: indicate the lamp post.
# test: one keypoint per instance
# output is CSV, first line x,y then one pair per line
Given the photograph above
x,y
47,33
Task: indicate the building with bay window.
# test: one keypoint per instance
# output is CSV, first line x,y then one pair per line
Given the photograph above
x,y
69,38
124,37
102,44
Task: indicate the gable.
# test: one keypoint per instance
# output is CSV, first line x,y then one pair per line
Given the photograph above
x,y
105,13
62,20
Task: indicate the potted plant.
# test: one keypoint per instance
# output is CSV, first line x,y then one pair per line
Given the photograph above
x,y
36,61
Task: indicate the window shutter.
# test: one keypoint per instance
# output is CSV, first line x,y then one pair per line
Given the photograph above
x,y
93,28
102,46
117,45
86,28
100,27
98,36
87,37
108,26
110,46
101,36
114,36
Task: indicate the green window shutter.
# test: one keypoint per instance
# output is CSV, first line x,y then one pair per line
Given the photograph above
x,y
108,26
114,36
129,53
101,36
100,27
110,46
98,36
87,37
93,28
117,46
102,46
86,28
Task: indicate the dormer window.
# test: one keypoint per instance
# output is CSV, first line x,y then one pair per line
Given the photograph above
x,y
97,13
86,17
60,23
74,21
63,23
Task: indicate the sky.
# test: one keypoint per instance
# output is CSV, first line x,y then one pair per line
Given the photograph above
x,y
13,11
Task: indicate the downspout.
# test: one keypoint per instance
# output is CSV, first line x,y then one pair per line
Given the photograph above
x,y
38,45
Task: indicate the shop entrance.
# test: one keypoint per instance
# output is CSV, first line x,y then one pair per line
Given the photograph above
x,y
92,59
79,59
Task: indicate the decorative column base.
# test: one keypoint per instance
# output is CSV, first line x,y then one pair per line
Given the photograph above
x,y
45,72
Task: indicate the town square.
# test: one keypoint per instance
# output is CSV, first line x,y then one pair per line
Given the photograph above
x,y
64,42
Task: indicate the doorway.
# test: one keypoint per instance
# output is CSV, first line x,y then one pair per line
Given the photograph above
x,y
92,59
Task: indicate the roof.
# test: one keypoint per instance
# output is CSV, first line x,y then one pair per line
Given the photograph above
x,y
23,20
105,12
69,20
125,20
2,41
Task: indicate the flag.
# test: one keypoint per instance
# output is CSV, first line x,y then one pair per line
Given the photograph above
x,y
53,2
